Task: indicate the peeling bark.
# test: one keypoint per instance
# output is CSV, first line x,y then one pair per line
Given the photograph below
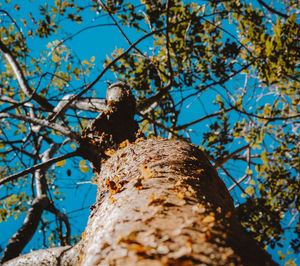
x,y
161,202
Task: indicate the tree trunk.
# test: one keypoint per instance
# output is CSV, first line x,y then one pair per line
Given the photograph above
x,y
159,202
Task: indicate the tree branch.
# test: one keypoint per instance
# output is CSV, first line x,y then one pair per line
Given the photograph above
x,y
227,173
43,102
63,217
272,9
117,25
42,122
105,69
203,118
147,103
221,161
19,240
38,166
268,119
86,104
82,30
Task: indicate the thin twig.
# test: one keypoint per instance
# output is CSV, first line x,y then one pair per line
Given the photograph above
x,y
28,91
118,26
37,167
104,71
272,9
203,118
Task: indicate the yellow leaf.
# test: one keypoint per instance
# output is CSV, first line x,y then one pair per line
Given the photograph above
x,y
92,58
82,163
249,190
84,169
22,96
73,146
69,67
11,27
55,58
61,163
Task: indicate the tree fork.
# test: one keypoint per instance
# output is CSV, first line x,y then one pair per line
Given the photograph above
x,y
161,202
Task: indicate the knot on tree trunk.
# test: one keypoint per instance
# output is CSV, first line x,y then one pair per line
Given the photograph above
x,y
110,128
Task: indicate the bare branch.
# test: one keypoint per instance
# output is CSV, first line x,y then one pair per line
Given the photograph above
x,y
42,122
82,30
168,41
235,182
63,217
147,103
227,173
117,25
38,166
86,104
268,119
203,118
220,82
221,161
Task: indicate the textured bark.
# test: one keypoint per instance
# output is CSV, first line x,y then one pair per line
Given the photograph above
x,y
19,240
161,202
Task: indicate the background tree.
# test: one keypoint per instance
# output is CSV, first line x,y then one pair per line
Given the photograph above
x,y
221,74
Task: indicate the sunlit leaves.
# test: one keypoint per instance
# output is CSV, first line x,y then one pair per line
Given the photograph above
x,y
83,167
61,163
13,205
55,58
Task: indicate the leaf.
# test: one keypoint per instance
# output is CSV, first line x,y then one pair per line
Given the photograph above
x,y
249,190
84,169
264,157
252,182
69,67
82,163
73,146
61,163
55,58
11,27
92,59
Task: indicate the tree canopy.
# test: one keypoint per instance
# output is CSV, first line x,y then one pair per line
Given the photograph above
x,y
221,74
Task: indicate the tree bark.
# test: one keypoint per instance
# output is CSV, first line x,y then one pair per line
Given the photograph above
x,y
160,202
